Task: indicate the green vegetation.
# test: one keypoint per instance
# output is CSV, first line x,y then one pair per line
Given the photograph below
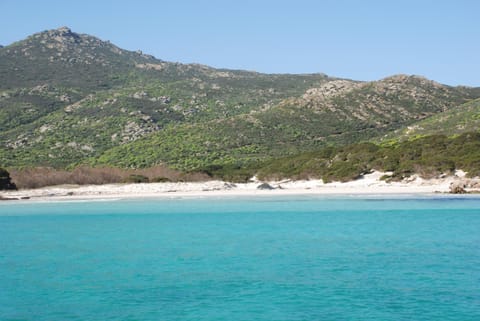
x,y
428,156
461,119
245,140
78,96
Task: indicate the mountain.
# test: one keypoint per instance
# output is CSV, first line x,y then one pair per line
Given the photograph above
x,y
66,96
69,99
337,112
62,58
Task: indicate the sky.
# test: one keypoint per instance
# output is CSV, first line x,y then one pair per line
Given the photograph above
x,y
361,40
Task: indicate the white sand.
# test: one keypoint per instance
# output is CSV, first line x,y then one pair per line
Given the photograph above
x,y
370,184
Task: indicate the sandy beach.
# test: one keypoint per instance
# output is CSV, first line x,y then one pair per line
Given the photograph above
x,y
370,184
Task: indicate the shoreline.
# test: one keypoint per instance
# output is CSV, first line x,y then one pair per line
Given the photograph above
x,y
369,185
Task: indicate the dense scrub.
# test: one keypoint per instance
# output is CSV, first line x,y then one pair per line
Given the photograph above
x,y
461,119
427,156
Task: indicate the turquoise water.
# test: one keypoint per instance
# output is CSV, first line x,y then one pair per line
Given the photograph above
x,y
297,258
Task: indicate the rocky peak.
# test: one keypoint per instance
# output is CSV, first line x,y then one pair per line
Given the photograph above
x,y
64,30
330,89
411,79
62,35
62,44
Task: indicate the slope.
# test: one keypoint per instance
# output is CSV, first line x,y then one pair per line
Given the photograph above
x,y
337,112
458,120
66,96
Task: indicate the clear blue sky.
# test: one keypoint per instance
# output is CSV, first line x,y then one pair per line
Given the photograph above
x,y
364,40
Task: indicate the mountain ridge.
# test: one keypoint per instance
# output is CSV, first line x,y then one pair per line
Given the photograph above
x,y
69,99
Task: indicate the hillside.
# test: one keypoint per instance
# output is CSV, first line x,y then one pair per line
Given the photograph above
x,y
338,112
69,99
458,120
66,96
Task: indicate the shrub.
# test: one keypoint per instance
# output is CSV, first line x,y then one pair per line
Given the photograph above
x,y
343,172
135,178
6,181
160,180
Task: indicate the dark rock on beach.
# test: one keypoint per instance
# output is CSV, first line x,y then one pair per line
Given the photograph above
x,y
265,186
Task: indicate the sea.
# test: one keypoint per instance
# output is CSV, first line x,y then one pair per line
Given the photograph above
x,y
242,258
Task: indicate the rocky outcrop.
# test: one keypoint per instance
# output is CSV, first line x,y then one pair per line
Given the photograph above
x,y
457,189
465,185
265,186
